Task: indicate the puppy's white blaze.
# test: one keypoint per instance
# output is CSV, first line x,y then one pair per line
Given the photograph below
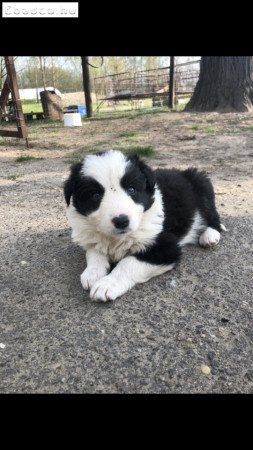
x,y
209,238
193,234
128,272
86,231
107,168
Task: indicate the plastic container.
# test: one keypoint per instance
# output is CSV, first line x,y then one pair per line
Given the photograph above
x,y
72,120
72,107
82,110
79,108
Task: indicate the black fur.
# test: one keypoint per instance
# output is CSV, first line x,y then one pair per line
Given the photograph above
x,y
183,193
203,190
82,189
141,177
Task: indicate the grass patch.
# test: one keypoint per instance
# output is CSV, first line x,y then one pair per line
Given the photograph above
x,y
130,114
209,129
75,157
31,106
140,150
72,160
13,177
248,128
182,104
129,134
24,158
195,127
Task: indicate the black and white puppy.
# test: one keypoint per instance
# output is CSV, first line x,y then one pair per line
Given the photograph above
x,y
128,216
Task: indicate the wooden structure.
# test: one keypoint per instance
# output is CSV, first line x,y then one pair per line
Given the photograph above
x,y
172,82
11,87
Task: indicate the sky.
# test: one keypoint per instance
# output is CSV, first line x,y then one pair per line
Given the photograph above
x,y
21,61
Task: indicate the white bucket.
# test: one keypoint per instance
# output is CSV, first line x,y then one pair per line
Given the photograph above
x,y
72,120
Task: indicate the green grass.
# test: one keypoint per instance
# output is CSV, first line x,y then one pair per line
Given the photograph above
x,y
181,106
13,177
140,150
31,106
129,134
72,160
24,158
209,129
195,127
249,127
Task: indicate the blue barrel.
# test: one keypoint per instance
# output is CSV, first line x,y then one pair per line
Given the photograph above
x,y
82,110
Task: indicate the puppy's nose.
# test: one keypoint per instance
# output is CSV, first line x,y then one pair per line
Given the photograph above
x,y
121,221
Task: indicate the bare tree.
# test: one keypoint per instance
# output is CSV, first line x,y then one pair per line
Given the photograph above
x,y
43,70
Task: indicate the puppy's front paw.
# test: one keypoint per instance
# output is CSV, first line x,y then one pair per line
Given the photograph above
x,y
106,289
209,238
90,275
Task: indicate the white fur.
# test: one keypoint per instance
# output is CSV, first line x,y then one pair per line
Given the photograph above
x,y
108,169
97,267
96,233
86,231
124,276
209,238
193,234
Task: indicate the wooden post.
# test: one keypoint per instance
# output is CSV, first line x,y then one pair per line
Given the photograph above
x,y
1,72
171,83
86,85
11,85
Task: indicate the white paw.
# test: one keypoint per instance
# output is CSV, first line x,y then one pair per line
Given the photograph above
x,y
209,238
106,289
90,275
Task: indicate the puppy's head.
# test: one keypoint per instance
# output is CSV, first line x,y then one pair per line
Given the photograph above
x,y
111,190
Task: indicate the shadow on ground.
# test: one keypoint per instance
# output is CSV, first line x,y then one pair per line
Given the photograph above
x,y
57,340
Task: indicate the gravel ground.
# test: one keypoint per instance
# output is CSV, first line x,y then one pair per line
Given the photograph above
x,y
187,331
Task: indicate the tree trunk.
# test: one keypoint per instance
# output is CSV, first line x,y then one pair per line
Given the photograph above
x,y
225,84
86,85
42,68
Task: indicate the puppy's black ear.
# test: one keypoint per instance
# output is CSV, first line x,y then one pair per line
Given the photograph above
x,y
69,185
149,175
145,169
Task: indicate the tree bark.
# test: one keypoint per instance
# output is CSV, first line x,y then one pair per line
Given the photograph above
x,y
86,85
225,85
42,68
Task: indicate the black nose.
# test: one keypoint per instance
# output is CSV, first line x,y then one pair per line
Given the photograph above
x,y
121,221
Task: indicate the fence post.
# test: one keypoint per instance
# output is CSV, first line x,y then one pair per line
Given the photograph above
x,y
171,83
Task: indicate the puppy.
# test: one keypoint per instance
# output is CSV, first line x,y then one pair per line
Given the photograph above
x,y
135,219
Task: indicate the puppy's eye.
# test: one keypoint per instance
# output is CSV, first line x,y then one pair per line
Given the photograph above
x,y
131,190
96,196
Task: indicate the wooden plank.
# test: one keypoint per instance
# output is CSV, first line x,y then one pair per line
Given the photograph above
x,y
13,85
9,133
4,97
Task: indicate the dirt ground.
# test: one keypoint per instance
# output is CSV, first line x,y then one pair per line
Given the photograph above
x,y
159,337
